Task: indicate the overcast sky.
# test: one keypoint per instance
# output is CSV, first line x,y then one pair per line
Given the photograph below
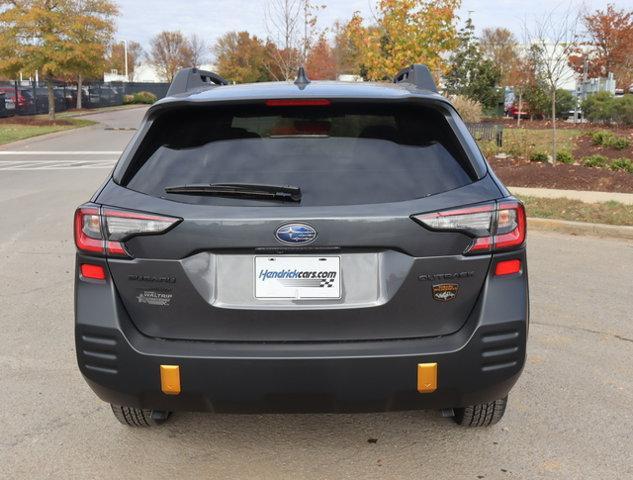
x,y
141,19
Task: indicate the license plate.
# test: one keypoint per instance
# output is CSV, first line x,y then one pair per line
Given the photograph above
x,y
298,277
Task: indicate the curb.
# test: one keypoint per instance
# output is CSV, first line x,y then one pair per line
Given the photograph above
x,y
580,228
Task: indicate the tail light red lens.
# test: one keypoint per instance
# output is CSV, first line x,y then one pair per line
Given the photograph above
x,y
507,267
88,237
120,225
94,272
494,226
103,231
511,225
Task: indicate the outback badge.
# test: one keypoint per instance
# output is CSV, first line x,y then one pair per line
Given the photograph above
x,y
445,292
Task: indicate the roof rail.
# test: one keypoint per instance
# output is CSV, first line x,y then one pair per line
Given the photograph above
x,y
418,75
191,78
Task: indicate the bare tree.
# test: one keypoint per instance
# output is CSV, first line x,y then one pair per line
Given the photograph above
x,y
282,20
169,52
198,50
291,29
553,38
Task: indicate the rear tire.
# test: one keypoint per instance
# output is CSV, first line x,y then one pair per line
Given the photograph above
x,y
137,417
481,414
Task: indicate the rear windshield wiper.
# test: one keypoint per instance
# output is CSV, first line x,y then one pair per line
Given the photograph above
x,y
287,193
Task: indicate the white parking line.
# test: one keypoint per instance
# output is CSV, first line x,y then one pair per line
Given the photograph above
x,y
58,152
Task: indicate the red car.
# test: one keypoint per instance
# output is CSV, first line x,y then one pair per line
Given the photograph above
x,y
24,104
513,111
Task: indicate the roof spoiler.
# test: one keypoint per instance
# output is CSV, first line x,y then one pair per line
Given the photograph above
x,y
418,75
191,78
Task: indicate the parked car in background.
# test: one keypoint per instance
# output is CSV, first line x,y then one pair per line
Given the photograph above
x,y
9,104
105,96
41,99
3,109
60,100
70,96
570,114
23,104
513,111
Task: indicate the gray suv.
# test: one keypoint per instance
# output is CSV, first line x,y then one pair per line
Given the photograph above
x,y
301,247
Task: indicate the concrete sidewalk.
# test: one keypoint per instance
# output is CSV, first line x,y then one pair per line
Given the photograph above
x,y
584,196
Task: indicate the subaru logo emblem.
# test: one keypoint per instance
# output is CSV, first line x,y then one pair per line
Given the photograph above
x,y
294,233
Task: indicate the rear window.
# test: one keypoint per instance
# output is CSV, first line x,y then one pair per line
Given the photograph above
x,y
337,155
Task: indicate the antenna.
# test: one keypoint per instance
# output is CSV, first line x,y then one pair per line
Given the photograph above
x,y
302,79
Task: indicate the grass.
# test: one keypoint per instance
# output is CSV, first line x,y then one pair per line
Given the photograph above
x,y
11,132
610,213
523,142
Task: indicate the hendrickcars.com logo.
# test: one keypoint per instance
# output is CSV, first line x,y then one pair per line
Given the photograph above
x,y
299,278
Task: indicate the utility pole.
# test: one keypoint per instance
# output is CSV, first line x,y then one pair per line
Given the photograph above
x,y
305,32
127,78
585,77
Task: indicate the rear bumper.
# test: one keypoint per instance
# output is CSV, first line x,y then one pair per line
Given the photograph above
x,y
337,377
480,362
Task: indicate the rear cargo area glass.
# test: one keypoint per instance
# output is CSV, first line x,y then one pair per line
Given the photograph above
x,y
337,154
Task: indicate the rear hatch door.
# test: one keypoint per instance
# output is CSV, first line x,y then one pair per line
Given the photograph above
x,y
363,173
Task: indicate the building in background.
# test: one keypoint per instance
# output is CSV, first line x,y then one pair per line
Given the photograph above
x,y
143,73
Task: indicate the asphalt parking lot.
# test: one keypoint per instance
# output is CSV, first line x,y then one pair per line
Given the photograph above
x,y
570,415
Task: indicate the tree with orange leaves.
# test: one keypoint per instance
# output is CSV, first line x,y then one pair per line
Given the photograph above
x,y
406,32
609,45
321,62
90,29
56,38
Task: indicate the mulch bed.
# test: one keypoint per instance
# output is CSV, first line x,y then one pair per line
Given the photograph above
x,y
522,173
585,147
33,121
519,172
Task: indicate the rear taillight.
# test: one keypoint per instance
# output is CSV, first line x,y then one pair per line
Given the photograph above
x,y
88,237
498,226
104,231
